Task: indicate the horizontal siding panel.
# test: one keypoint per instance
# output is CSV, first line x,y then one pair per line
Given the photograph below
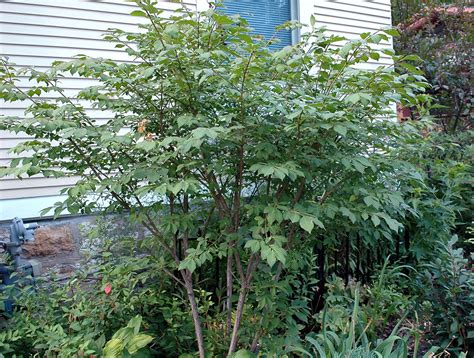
x,y
37,182
39,30
57,41
8,135
43,60
53,12
52,190
351,18
101,6
358,24
7,143
38,34
353,36
365,6
112,7
68,81
350,15
93,113
5,154
15,18
61,52
4,163
343,30
188,3
21,105
97,7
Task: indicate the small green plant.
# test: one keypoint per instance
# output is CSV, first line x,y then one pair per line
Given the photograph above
x,y
447,285
353,342
385,298
383,301
75,318
128,341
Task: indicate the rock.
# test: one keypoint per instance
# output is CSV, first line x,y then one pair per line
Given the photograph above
x,y
50,240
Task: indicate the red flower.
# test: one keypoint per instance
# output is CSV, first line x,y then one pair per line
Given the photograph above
x,y
108,288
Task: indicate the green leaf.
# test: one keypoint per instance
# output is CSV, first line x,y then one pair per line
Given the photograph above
x,y
293,216
138,342
411,68
353,98
138,13
374,56
253,245
280,253
273,214
342,130
113,348
172,30
187,264
243,353
372,201
318,223
346,212
375,219
307,224
392,223
148,72
392,32
146,145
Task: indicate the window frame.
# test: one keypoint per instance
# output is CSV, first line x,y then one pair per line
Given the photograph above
x,y
202,5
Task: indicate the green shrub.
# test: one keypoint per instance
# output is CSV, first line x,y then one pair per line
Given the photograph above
x,y
447,286
75,318
240,161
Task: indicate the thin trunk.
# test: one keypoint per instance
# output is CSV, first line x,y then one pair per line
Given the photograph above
x,y
368,262
380,259
256,338
235,217
319,301
217,279
188,280
195,313
253,262
238,319
346,268
406,239
358,271
397,248
229,293
276,278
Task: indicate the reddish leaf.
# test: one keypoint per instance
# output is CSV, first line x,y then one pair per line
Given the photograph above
x,y
108,288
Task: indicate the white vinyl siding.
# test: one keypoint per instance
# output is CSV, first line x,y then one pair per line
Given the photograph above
x,y
350,18
35,33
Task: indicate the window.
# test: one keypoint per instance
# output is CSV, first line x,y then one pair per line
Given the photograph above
x,y
263,16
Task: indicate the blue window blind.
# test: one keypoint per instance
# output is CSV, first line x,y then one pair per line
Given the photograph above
x,y
263,16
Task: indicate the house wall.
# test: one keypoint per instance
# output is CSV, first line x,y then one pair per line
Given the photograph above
x,y
35,33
